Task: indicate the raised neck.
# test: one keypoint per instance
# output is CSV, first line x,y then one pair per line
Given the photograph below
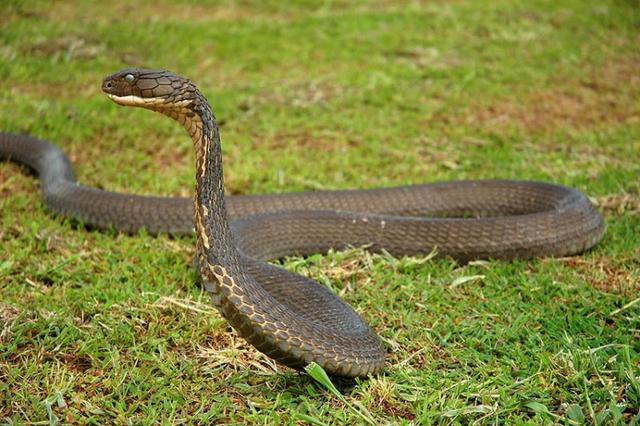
x,y
211,223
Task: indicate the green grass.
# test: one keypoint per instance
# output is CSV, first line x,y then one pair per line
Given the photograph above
x,y
106,328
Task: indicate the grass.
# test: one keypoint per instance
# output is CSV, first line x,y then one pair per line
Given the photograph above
x,y
99,328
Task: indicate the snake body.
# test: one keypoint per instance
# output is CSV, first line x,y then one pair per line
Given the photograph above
x,y
288,317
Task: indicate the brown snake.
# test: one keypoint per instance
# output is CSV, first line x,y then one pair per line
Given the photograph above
x,y
288,317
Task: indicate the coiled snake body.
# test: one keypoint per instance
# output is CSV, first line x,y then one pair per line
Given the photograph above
x,y
286,316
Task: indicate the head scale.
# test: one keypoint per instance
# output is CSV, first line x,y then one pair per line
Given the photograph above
x,y
158,90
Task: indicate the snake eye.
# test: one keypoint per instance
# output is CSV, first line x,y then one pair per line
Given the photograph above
x,y
129,78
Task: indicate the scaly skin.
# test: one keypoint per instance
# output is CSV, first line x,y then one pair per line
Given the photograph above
x,y
288,317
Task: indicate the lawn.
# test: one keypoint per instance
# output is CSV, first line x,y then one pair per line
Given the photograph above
x,y
107,328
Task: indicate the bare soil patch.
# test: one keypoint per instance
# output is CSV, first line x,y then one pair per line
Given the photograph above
x,y
605,96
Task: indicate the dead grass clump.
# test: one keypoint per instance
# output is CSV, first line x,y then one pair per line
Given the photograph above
x,y
620,204
603,274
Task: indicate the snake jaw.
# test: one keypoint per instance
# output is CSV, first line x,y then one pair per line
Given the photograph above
x,y
125,100
133,100
157,104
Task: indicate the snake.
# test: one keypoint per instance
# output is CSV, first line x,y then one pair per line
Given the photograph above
x,y
291,318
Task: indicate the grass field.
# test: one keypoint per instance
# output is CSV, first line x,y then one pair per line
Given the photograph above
x,y
104,328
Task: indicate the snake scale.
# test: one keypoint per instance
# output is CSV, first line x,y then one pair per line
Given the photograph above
x,y
286,316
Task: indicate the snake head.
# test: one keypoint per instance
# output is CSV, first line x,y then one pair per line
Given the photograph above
x,y
158,90
164,92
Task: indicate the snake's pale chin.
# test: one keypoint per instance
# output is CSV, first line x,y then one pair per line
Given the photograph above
x,y
126,100
132,100
156,104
